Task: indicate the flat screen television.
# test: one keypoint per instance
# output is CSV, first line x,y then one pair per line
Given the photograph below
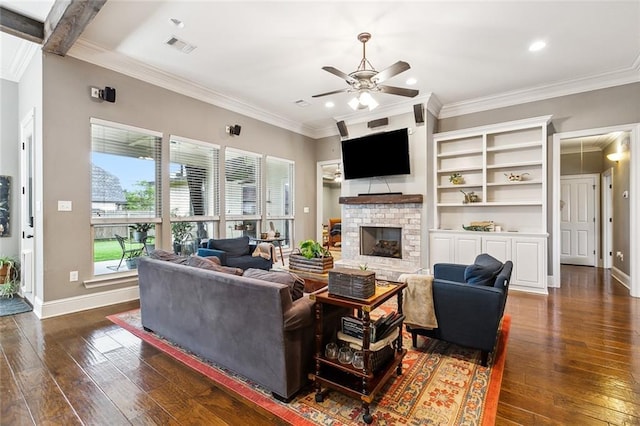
x,y
380,154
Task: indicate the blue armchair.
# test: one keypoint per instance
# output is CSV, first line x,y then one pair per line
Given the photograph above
x,y
469,302
235,252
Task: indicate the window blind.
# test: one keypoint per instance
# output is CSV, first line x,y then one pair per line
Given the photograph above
x,y
242,183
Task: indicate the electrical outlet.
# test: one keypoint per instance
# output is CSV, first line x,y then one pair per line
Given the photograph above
x,y
73,276
620,256
95,92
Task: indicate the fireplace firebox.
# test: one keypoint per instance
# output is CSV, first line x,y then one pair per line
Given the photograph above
x,y
381,241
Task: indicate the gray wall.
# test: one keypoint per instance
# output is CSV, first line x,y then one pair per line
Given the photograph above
x,y
577,164
330,208
10,161
66,169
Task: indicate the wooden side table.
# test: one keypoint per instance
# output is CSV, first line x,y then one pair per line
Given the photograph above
x,y
358,383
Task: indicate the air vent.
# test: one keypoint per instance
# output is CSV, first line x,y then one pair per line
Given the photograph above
x,y
302,103
181,45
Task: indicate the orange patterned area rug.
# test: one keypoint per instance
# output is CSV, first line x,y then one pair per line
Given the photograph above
x,y
441,384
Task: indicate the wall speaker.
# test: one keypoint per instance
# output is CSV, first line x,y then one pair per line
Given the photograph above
x,y
418,113
234,130
378,123
342,128
109,94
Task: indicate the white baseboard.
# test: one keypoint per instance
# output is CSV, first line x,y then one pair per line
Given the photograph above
x,y
624,279
55,308
540,291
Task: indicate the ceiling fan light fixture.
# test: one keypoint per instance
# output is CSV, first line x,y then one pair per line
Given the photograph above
x,y
362,101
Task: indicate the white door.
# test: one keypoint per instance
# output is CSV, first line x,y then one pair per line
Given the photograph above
x,y
607,218
578,219
27,200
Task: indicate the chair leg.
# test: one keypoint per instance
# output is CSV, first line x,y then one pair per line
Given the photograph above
x,y
414,338
121,259
484,358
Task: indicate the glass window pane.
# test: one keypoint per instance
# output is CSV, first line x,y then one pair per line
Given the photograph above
x,y
279,175
242,183
125,172
193,172
110,256
184,233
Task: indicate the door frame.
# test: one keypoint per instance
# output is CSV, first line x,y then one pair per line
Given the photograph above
x,y
27,242
596,211
320,194
607,213
634,205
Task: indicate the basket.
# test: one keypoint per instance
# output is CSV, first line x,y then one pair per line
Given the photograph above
x,y
318,265
352,283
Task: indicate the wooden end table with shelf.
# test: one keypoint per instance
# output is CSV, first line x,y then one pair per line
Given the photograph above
x,y
363,383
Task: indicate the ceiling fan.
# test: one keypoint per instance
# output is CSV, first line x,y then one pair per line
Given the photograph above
x,y
366,80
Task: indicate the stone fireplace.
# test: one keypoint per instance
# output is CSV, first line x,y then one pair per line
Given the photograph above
x,y
385,221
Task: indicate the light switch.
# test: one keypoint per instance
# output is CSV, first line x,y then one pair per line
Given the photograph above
x,y
305,209
64,206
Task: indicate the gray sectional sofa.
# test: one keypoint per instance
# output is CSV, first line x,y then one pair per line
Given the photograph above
x,y
247,325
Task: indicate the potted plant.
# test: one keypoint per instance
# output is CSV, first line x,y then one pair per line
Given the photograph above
x,y
311,256
456,179
132,260
9,276
140,231
180,232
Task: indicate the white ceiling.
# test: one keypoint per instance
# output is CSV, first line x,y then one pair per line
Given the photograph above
x,y
259,57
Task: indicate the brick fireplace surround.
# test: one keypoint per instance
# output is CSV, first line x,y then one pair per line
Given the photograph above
x,y
403,211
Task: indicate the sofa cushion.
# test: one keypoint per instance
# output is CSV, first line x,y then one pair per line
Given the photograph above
x,y
212,264
483,271
295,283
233,246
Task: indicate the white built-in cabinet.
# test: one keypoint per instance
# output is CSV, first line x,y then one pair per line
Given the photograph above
x,y
485,157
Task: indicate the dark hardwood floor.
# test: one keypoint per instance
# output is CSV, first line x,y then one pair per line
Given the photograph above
x,y
573,357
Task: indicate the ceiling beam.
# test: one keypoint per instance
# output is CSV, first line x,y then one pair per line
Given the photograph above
x,y
21,26
66,21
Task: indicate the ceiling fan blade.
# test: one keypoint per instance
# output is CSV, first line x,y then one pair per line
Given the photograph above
x,y
393,70
331,93
410,93
340,74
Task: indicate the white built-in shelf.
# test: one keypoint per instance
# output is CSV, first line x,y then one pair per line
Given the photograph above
x,y
491,204
460,153
461,169
514,164
462,185
512,147
522,182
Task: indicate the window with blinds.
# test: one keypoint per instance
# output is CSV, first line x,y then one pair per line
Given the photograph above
x,y
125,171
125,194
194,196
279,196
242,184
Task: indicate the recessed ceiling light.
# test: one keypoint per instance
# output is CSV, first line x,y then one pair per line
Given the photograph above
x,y
329,104
178,23
537,45
411,81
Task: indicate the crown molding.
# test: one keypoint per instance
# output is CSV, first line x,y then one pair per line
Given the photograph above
x,y
97,55
538,93
23,55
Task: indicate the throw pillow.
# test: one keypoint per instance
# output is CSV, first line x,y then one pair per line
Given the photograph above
x,y
212,265
479,275
488,261
483,271
295,283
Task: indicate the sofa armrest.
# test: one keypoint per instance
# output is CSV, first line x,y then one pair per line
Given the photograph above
x,y
300,315
449,272
206,252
